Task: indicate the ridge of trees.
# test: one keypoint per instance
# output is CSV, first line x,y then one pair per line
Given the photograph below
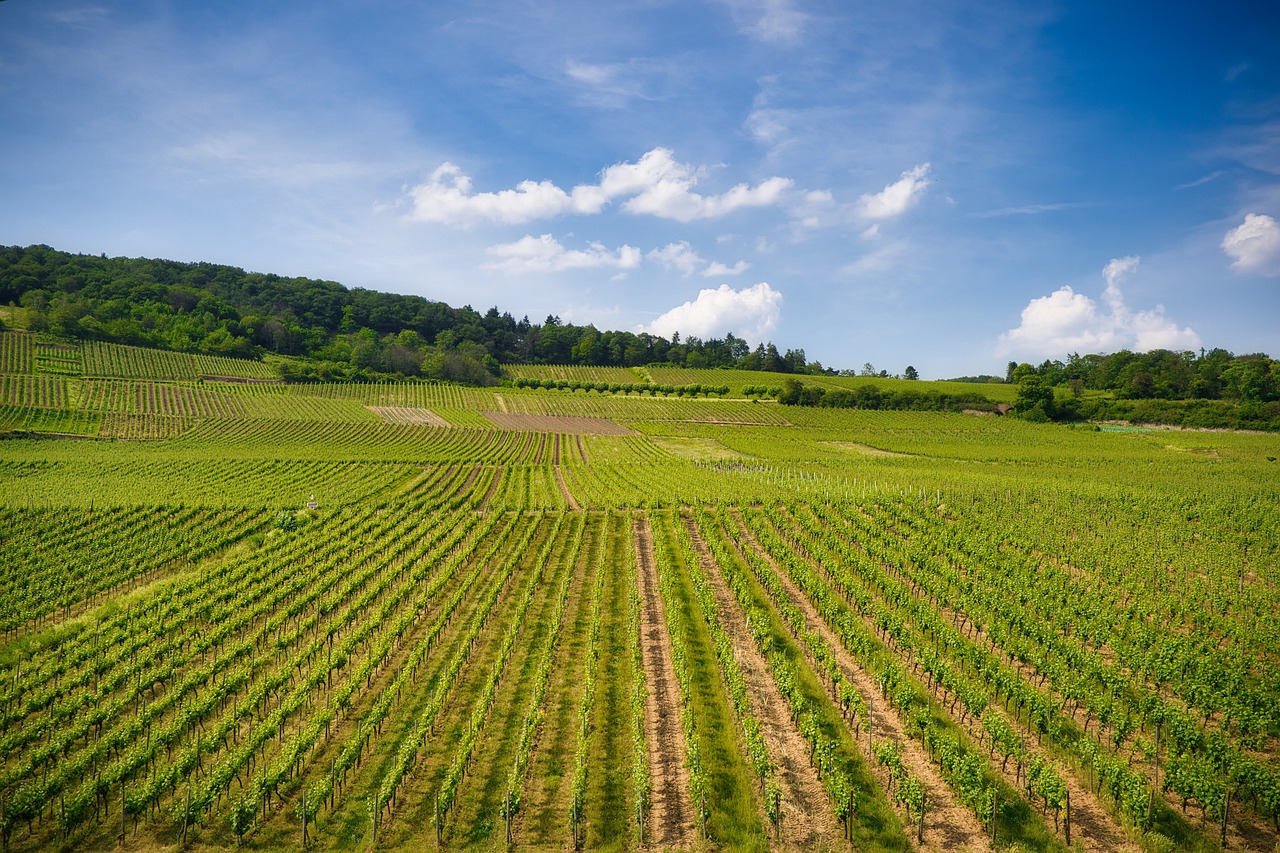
x,y
343,333
338,333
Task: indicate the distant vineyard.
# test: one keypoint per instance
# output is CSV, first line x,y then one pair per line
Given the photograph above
x,y
15,352
116,360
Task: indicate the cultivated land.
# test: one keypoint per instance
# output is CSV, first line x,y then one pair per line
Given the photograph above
x,y
534,619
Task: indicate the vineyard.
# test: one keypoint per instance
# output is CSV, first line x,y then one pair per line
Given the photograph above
x,y
411,616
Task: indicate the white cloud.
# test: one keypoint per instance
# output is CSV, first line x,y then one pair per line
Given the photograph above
x,y
1254,245
1066,321
683,258
546,254
752,313
656,184
717,269
677,256
896,198
447,198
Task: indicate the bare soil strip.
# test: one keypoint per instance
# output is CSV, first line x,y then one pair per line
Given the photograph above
x,y
582,451
408,415
808,819
564,487
493,487
949,825
670,816
1091,823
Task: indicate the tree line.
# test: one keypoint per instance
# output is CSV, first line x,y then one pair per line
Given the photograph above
x,y
343,333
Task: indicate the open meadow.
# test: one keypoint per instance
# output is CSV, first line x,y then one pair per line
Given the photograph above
x,y
413,616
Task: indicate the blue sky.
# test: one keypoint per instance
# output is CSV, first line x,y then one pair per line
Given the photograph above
x,y
947,185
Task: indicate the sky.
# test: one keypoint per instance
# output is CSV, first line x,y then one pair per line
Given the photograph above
x,y
948,185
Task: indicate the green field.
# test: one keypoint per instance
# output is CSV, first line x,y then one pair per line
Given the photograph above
x,y
534,619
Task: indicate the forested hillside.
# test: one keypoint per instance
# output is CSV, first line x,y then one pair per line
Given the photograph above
x,y
322,331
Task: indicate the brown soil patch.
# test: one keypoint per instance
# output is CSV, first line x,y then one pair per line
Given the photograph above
x,y
808,821
556,423
408,415
582,451
564,487
670,814
949,825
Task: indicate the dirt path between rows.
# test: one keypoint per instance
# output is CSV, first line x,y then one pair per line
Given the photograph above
x,y
670,814
808,822
1091,824
949,825
564,487
493,487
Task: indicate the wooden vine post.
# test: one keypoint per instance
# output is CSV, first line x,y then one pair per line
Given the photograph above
x,y
1068,818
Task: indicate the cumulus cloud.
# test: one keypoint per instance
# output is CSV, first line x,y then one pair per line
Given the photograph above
x,y
684,259
656,184
715,269
1066,321
896,198
546,254
677,256
752,313
1254,245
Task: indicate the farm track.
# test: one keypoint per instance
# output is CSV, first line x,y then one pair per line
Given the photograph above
x,y
809,821
670,820
949,824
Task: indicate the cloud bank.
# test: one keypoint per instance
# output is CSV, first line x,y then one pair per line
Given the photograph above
x,y
752,313
1254,245
656,185
1066,321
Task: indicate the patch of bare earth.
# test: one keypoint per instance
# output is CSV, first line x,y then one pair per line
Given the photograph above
x,y
808,822
670,815
564,490
557,423
949,825
408,415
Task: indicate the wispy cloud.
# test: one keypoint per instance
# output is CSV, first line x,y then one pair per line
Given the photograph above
x,y
618,84
1201,181
772,21
1032,209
